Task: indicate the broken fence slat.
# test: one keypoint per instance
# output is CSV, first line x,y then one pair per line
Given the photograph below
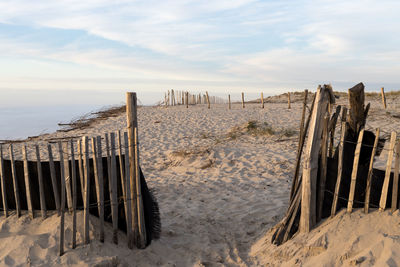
x,y
53,178
15,182
3,183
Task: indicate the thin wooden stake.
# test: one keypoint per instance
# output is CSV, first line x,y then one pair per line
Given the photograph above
x,y
122,172
27,182
85,144
395,189
3,183
53,179
340,167
288,100
229,101
383,97
385,187
262,100
128,190
138,226
96,172
15,182
187,99
62,179
74,195
80,165
67,177
242,100
354,172
323,167
370,170
41,186
113,190
99,156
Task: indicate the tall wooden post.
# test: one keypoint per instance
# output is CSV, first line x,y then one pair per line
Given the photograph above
x,y
229,101
383,97
288,100
242,100
187,99
310,169
139,231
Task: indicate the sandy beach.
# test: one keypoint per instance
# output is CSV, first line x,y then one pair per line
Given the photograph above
x,y
221,186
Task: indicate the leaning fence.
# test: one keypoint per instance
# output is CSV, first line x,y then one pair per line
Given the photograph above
x,y
81,179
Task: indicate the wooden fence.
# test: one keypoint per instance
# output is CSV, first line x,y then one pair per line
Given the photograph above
x,y
341,177
82,179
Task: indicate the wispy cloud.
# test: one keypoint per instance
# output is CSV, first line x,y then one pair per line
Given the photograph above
x,y
268,44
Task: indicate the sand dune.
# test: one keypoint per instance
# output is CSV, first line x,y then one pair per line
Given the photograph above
x,y
220,188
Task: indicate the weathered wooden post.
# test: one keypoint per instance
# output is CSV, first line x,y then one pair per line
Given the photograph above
x,y
383,97
139,230
242,100
229,101
187,99
310,170
15,182
288,100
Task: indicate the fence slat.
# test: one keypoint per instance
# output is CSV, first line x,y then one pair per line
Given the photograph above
x,y
62,179
67,177
74,195
3,183
53,178
101,186
85,144
229,101
354,172
122,172
288,100
323,168
96,171
383,97
80,165
41,187
396,178
243,106
385,187
113,189
370,170
128,190
15,182
27,182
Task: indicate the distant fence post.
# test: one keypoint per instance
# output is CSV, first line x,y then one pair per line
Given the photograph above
x,y
242,100
383,97
262,100
208,100
288,100
136,196
229,101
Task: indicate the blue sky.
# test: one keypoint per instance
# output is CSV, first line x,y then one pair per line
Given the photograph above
x,y
220,46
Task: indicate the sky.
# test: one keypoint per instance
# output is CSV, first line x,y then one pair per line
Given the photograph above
x,y
93,51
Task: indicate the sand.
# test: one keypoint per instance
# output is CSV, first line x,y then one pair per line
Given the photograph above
x,y
220,189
